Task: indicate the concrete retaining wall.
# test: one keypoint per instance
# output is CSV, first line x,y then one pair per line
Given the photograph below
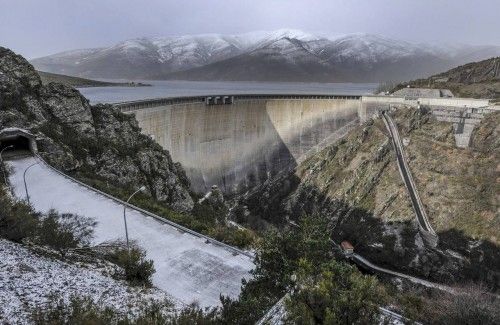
x,y
457,102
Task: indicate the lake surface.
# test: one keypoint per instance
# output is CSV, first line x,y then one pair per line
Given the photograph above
x,y
163,88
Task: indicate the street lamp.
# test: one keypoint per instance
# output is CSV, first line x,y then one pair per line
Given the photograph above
x,y
141,189
24,178
1,162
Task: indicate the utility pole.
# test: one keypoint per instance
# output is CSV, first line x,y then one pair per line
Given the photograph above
x,y
24,178
141,189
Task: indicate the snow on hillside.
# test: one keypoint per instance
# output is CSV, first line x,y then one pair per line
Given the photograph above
x,y
183,52
29,279
187,268
174,56
367,47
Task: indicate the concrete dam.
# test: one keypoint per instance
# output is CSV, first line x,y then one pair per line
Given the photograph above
x,y
237,142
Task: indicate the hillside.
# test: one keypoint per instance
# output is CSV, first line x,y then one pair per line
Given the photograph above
x,y
76,82
357,184
92,140
282,55
105,148
476,79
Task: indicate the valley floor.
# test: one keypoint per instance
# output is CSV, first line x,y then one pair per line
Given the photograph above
x,y
187,268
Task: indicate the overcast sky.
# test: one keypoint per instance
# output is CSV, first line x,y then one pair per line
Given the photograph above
x,y
35,28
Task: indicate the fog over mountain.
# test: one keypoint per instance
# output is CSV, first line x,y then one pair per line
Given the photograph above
x,y
281,55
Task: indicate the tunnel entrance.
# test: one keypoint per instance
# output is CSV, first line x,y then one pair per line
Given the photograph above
x,y
18,143
17,140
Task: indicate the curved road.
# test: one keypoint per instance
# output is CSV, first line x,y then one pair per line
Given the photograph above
x,y
404,169
189,267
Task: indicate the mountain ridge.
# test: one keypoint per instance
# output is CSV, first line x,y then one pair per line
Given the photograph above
x,y
282,55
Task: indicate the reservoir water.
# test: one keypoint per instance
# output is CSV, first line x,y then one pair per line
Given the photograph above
x,y
163,88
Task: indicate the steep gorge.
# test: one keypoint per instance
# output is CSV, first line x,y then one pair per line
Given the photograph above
x,y
356,183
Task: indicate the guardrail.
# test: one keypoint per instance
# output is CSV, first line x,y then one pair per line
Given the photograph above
x,y
157,217
147,103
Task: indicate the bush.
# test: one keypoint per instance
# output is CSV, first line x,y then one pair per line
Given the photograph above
x,y
78,311
335,294
232,236
17,220
468,305
64,231
138,270
83,310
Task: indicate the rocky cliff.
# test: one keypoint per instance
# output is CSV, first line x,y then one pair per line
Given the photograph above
x,y
357,183
96,141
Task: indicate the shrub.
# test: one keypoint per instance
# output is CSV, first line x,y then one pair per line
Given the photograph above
x,y
64,231
83,310
17,220
77,311
468,305
138,270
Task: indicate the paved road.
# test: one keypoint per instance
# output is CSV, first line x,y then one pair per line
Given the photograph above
x,y
404,169
187,268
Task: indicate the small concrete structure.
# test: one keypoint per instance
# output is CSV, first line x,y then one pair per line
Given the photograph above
x,y
347,248
18,138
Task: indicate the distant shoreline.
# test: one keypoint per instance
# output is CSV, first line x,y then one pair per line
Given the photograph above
x,y
78,82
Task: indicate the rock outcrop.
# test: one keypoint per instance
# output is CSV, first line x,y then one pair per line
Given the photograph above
x,y
98,142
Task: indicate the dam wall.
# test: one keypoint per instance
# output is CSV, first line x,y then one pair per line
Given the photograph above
x,y
239,145
237,142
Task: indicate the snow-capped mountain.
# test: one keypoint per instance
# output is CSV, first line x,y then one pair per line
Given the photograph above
x,y
284,55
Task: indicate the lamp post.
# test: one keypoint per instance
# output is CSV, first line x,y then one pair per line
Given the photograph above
x,y
1,162
24,178
141,189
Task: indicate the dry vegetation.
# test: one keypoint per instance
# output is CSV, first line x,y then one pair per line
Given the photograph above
x,y
458,186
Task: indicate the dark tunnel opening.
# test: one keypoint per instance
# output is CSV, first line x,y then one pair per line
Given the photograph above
x,y
19,143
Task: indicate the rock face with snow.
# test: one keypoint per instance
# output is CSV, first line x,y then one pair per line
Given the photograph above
x,y
282,55
93,140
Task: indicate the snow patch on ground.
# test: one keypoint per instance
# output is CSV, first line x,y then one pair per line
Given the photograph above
x,y
28,279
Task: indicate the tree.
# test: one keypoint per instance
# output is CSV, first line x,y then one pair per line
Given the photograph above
x,y
64,231
336,293
277,259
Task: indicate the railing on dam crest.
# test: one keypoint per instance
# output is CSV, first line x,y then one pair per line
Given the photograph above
x,y
219,100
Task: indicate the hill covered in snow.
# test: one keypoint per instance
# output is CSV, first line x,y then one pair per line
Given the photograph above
x,y
282,55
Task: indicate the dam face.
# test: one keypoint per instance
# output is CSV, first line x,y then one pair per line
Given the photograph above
x,y
239,145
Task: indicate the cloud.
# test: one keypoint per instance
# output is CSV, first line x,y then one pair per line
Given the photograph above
x,y
35,28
